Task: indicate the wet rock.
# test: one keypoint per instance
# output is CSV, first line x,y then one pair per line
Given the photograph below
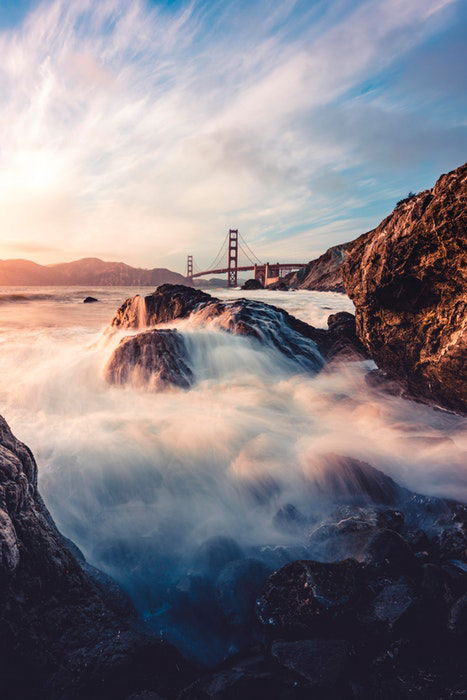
x,y
279,286
335,541
301,343
237,587
90,300
303,594
213,554
388,551
252,284
156,359
347,479
345,346
289,519
405,279
323,662
392,608
458,617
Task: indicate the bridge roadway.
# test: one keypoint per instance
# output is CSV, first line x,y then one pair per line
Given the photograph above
x,y
273,268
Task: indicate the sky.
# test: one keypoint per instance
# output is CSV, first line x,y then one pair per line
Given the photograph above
x,y
142,131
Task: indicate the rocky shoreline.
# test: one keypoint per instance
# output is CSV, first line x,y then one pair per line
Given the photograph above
x,y
371,601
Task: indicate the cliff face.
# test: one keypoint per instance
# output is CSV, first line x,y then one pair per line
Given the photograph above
x,y
90,271
407,279
62,634
323,274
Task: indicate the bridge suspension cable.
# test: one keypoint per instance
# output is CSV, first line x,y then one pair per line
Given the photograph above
x,y
248,248
217,259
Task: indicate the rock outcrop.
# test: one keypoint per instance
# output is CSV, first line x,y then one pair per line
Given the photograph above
x,y
155,359
63,634
252,284
323,274
407,279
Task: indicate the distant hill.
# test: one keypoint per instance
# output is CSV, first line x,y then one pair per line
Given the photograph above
x,y
88,271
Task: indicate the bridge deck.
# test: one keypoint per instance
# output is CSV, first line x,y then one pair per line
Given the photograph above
x,y
272,266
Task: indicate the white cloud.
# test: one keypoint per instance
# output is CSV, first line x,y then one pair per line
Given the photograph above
x,y
146,133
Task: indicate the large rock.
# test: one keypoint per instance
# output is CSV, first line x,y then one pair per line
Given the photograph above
x,y
269,325
407,281
60,633
156,359
323,274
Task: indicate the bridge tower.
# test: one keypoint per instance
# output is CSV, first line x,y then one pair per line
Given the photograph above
x,y
233,258
189,268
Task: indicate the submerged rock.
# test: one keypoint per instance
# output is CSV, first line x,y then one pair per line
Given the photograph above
x,y
156,359
90,300
406,279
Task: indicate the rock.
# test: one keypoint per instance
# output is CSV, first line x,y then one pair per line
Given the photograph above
x,y
341,478
392,608
252,284
405,279
345,346
306,595
279,286
289,519
458,617
90,300
388,551
156,359
211,556
300,343
336,541
59,636
323,662
323,273
237,587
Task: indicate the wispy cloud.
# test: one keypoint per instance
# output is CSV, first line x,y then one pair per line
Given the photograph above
x,y
147,132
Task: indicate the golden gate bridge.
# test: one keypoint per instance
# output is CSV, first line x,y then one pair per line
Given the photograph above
x,y
266,273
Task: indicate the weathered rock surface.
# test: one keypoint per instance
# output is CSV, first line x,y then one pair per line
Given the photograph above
x,y
156,359
60,634
407,279
323,274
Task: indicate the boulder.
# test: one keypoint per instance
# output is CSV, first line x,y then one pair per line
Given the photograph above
x,y
237,587
388,551
252,284
156,359
308,595
322,662
407,281
90,300
213,554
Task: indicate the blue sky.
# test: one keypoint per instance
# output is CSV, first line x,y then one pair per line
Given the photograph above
x,y
142,131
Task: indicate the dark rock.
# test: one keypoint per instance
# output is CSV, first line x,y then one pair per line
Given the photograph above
x,y
458,617
350,480
289,519
156,359
59,636
388,551
303,594
211,556
252,284
405,279
90,300
279,286
336,541
345,346
299,342
237,587
323,662
392,609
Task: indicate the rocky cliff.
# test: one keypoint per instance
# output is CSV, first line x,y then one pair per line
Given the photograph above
x,y
407,279
323,274
66,630
88,271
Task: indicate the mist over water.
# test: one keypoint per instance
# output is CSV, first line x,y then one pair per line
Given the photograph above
x,y
139,480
